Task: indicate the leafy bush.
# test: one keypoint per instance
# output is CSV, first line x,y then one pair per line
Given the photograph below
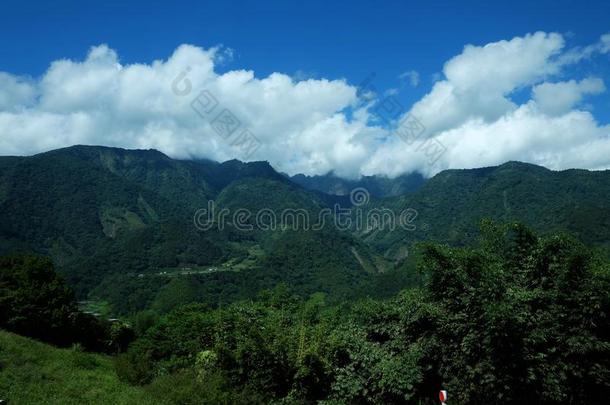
x,y
134,369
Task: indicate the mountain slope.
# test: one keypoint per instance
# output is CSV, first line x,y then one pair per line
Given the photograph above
x,y
451,205
95,216
101,211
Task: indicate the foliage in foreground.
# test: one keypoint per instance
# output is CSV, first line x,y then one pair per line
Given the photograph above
x,y
518,318
36,302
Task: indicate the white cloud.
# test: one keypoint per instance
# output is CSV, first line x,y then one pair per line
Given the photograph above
x,y
100,101
15,92
472,115
578,54
480,79
569,140
559,98
502,66
317,125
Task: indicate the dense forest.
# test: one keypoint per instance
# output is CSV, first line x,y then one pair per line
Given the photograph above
x,y
495,297
515,318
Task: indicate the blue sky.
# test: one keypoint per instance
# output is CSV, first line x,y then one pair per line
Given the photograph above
x,y
314,39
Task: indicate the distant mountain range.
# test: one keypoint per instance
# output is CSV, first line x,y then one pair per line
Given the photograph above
x,y
108,216
377,186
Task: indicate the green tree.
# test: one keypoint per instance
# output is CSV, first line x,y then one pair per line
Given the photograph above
x,y
34,300
519,319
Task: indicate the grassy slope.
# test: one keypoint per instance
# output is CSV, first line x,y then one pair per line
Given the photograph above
x,y
35,373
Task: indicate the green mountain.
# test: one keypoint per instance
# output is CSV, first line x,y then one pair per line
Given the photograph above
x,y
451,205
99,210
109,217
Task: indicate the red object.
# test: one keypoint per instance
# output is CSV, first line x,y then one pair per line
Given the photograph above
x,y
442,395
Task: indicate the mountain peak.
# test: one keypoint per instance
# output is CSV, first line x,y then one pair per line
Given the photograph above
x,y
517,165
89,151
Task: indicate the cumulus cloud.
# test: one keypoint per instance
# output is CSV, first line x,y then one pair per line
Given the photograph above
x,y
479,80
100,101
471,112
317,125
559,98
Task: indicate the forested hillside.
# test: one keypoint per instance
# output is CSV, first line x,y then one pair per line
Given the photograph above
x,y
451,204
122,225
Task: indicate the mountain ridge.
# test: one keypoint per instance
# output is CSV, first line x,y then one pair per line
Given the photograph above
x,y
264,163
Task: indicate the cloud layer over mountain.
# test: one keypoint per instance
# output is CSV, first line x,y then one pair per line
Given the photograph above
x,y
314,126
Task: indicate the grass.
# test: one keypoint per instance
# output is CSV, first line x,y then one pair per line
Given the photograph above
x,y
36,373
